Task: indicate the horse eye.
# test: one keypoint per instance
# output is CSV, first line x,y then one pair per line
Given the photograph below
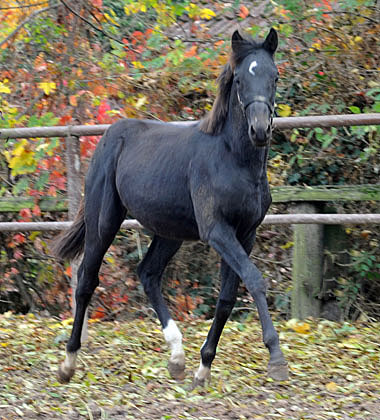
x,y
237,81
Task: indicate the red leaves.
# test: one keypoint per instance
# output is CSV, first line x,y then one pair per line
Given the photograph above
x,y
57,180
88,145
36,211
16,240
97,3
65,119
102,116
137,36
25,215
325,5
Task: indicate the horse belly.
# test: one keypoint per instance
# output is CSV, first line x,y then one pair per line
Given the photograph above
x,y
165,212
180,229
166,222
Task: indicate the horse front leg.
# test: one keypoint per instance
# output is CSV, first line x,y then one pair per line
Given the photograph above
x,y
223,239
226,301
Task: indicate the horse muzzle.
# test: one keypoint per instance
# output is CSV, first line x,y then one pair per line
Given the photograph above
x,y
260,134
259,121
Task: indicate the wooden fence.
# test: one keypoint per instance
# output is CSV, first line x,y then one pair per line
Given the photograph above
x,y
310,226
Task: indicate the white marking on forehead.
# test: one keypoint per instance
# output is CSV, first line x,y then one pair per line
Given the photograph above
x,y
252,66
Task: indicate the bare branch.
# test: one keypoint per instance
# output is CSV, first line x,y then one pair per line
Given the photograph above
x,y
90,23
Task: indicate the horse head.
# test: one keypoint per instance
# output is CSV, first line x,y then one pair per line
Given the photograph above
x,y
254,77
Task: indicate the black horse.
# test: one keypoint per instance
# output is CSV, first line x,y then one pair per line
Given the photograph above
x,y
204,180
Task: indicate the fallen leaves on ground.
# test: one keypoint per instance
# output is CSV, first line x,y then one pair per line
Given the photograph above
x,y
122,372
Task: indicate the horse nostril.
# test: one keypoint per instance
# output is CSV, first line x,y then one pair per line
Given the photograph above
x,y
252,132
269,128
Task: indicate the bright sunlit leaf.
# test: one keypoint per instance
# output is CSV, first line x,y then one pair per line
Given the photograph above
x,y
3,87
206,14
284,110
47,87
298,326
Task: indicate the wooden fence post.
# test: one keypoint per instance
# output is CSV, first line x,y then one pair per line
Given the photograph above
x,y
336,259
74,193
307,266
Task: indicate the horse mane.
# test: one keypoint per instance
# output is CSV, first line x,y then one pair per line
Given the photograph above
x,y
214,121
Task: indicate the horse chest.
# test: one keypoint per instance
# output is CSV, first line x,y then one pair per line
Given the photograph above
x,y
245,203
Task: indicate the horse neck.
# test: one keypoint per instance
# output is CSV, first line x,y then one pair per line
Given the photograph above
x,y
237,139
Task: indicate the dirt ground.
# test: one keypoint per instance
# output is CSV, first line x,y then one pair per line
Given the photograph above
x,y
122,372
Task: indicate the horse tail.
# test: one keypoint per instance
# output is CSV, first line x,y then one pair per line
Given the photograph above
x,y
70,243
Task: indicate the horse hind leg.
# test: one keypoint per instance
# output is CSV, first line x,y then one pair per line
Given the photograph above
x,y
102,224
150,272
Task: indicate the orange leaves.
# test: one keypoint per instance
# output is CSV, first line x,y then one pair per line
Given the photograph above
x,y
185,306
68,272
97,89
185,303
14,15
244,12
73,100
98,313
40,63
283,13
191,52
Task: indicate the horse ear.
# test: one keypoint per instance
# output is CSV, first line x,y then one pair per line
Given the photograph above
x,y
271,41
236,40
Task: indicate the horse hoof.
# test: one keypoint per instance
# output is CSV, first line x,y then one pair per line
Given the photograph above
x,y
197,382
65,376
278,372
176,370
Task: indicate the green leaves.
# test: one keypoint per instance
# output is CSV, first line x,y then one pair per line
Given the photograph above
x,y
354,109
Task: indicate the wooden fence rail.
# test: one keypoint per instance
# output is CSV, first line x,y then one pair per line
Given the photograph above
x,y
270,219
344,120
